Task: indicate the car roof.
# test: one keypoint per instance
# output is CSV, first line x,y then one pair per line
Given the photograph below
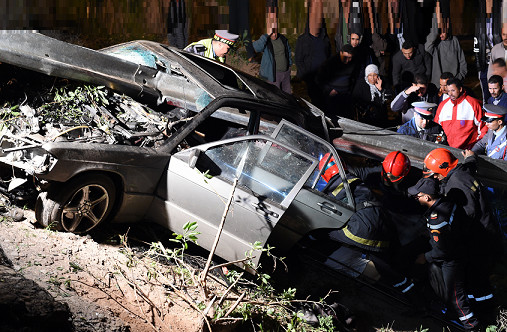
x,y
175,77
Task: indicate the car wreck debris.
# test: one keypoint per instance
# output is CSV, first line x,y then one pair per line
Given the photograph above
x,y
77,113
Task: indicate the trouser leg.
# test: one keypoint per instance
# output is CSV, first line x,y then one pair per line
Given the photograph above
x,y
283,81
453,277
479,289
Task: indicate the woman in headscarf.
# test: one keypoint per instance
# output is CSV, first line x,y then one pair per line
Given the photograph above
x,y
370,98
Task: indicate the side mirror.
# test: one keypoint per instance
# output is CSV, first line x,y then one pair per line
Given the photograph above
x,y
192,158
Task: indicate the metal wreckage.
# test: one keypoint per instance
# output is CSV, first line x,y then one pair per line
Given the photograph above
x,y
72,113
118,135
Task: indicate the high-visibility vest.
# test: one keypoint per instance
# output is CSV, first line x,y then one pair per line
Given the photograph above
x,y
204,47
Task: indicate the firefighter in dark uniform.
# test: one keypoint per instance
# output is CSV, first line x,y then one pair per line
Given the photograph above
x,y
368,238
447,224
392,179
390,182
458,184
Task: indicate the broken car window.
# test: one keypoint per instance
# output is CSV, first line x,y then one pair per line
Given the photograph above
x,y
264,168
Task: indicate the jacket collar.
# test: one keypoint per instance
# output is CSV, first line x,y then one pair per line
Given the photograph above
x,y
460,99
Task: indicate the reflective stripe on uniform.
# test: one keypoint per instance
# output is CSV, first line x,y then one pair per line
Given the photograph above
x,y
467,317
475,186
401,283
442,224
371,243
452,214
339,188
484,298
408,288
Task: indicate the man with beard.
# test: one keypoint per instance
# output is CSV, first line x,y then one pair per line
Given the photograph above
x,y
496,90
460,116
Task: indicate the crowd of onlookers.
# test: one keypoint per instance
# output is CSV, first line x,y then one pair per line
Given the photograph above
x,y
423,83
360,81
350,84
371,75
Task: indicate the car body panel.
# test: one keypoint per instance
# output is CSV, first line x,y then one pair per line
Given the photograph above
x,y
261,198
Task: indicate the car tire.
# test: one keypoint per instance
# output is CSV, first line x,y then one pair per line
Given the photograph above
x,y
77,206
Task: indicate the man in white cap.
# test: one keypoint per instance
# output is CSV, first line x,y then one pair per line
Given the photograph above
x,y
422,125
214,48
494,143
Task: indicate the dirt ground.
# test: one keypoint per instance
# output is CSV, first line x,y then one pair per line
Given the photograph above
x,y
105,292
93,279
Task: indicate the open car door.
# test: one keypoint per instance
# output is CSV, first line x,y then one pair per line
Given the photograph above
x,y
199,183
311,209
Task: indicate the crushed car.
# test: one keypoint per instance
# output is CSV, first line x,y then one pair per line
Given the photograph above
x,y
101,146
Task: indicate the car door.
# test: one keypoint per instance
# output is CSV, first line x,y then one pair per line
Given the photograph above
x,y
199,182
311,209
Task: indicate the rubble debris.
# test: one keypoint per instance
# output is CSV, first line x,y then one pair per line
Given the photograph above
x,y
36,109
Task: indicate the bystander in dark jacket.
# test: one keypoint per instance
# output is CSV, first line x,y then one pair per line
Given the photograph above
x,y
496,91
448,56
311,52
421,90
335,80
408,62
276,60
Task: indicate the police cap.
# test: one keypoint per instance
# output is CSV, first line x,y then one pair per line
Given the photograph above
x,y
225,37
493,112
424,109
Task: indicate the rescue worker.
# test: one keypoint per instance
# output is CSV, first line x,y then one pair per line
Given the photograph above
x,y
368,238
494,143
214,48
392,179
390,182
422,125
447,224
484,239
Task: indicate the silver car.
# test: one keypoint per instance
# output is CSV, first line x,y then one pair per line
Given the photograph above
x,y
208,125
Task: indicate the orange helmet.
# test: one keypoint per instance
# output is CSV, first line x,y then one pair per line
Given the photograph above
x,y
330,169
395,166
439,161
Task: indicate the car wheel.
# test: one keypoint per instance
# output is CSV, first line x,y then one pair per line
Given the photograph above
x,y
80,206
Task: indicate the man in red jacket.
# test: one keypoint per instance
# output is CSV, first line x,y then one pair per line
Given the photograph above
x,y
460,116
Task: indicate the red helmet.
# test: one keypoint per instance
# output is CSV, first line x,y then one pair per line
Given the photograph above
x,y
395,166
439,161
330,169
